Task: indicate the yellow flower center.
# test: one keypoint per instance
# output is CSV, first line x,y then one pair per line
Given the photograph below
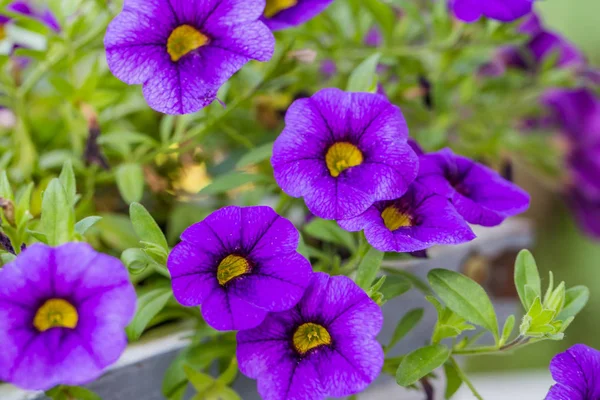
x,y
275,6
309,336
341,156
183,40
394,218
231,267
2,32
55,313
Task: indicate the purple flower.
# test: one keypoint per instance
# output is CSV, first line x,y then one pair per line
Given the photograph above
x,y
416,221
25,8
63,312
577,374
479,193
328,67
182,52
239,263
501,10
342,152
577,114
324,347
283,14
587,211
374,37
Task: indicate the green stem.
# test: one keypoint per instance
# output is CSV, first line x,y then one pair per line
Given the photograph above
x,y
464,378
515,343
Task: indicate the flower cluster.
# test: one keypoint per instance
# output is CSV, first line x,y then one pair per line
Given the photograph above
x,y
302,335
348,155
63,311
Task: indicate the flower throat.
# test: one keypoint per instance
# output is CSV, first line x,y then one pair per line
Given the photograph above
x,y
276,6
183,40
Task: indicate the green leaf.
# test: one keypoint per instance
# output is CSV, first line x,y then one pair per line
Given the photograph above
x,y
526,273
71,393
395,286
509,325
453,380
330,232
22,214
575,299
465,297
146,227
148,306
256,155
364,77
406,324
82,226
136,260
67,178
420,363
368,268
556,300
199,380
130,181
5,188
58,216
230,181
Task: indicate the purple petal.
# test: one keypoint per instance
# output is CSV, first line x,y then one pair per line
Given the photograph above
x,y
561,392
266,234
226,312
276,284
300,13
467,10
291,380
578,368
25,280
506,10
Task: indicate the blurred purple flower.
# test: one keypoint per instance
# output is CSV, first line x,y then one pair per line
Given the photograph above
x,y
328,67
501,10
283,14
63,313
373,38
325,347
416,221
577,374
239,264
25,8
587,211
342,152
183,52
479,193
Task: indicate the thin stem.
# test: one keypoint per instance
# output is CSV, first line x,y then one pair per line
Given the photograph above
x,y
464,378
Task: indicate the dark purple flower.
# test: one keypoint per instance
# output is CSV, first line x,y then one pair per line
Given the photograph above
x,y
324,347
182,52
374,38
577,374
501,10
328,68
283,14
239,263
587,211
479,193
416,221
63,313
25,8
577,115
342,152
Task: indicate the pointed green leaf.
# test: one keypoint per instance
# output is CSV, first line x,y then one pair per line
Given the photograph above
x,y
453,380
526,273
67,178
465,297
58,216
199,380
509,325
408,322
149,305
421,362
364,77
395,286
130,181
368,268
384,15
231,181
82,226
146,227
329,231
575,299
5,188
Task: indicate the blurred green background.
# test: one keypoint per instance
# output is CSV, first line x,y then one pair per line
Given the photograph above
x,y
560,246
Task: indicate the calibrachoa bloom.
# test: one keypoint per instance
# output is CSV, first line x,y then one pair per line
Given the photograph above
x,y
25,8
416,221
182,52
342,152
479,193
324,347
282,14
501,10
239,264
577,374
63,312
